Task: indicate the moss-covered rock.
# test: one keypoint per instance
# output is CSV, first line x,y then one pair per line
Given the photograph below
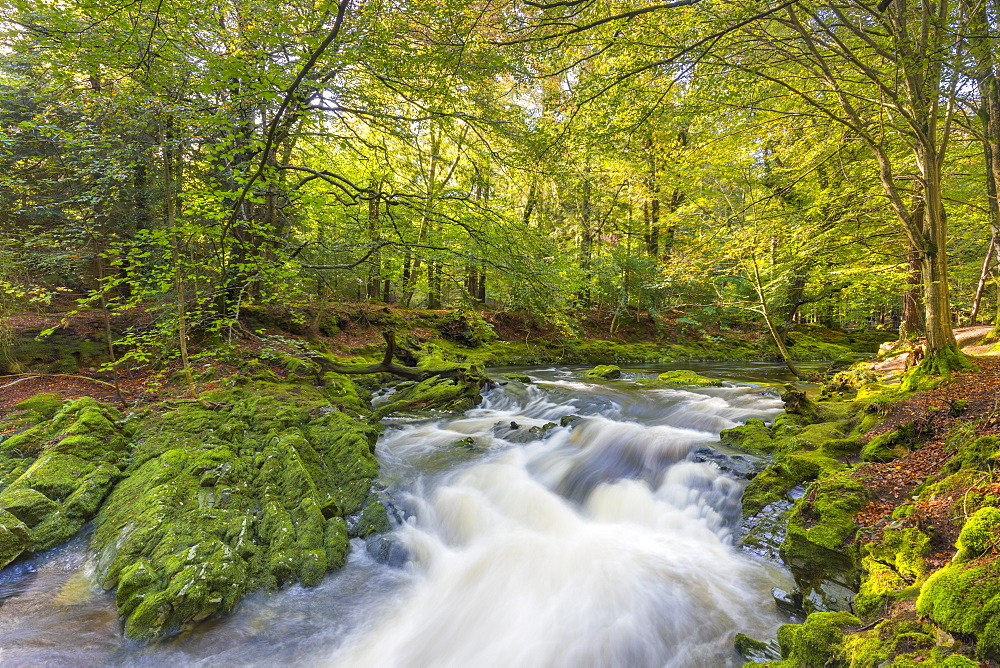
x,y
981,534
964,599
15,538
457,394
816,642
44,404
894,567
685,378
54,476
783,475
815,548
220,503
752,436
605,371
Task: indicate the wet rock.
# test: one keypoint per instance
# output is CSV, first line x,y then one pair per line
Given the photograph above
x,y
513,432
519,377
569,420
755,650
738,466
543,430
763,532
15,538
789,602
605,371
686,378
220,503
457,394
385,549
373,519
467,443
816,548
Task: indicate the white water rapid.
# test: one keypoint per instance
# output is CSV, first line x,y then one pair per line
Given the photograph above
x,y
601,544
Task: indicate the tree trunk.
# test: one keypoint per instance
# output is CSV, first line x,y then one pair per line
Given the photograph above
x,y
983,275
913,323
374,236
934,261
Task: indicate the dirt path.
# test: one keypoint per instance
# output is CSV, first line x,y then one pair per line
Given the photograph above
x,y
968,340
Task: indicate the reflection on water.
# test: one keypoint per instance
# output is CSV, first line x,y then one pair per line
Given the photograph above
x,y
601,543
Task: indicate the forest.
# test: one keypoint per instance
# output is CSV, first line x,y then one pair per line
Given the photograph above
x,y
806,162
282,286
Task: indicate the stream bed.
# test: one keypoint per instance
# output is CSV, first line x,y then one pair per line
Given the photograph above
x,y
564,522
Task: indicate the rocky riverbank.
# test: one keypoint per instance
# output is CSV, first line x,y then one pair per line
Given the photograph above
x,y
889,508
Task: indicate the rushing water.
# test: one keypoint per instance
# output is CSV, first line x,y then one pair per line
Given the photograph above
x,y
602,543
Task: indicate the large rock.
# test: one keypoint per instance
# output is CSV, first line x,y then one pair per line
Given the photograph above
x,y
220,503
54,476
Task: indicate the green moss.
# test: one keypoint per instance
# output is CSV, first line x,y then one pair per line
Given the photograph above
x,y
897,642
787,424
15,538
519,377
781,476
27,505
933,368
851,380
981,534
983,454
61,489
815,547
253,494
798,403
605,371
892,444
686,378
374,519
446,394
839,447
964,599
816,642
753,436
44,404
892,567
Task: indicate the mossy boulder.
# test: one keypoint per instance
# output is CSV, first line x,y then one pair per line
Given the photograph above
x,y
752,436
784,474
980,535
816,642
54,476
457,394
816,548
44,405
605,371
686,378
964,599
219,503
893,568
15,538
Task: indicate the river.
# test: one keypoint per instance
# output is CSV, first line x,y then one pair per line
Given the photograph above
x,y
605,542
